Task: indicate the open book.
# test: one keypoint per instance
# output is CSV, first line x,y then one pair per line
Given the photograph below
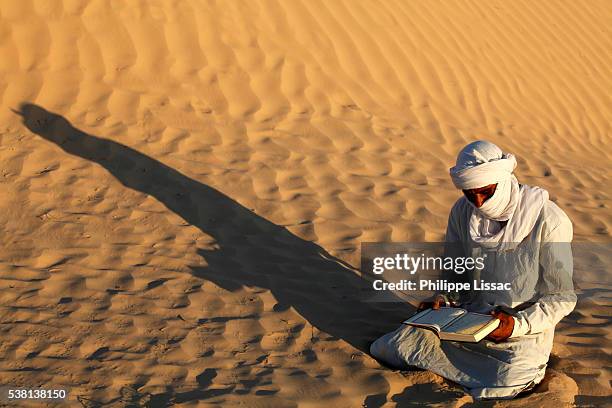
x,y
456,324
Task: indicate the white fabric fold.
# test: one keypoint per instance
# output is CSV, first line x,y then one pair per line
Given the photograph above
x,y
489,233
502,204
466,176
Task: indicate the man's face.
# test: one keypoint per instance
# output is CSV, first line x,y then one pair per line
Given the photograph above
x,y
479,195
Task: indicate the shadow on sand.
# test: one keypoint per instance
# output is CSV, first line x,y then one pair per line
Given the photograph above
x,y
252,251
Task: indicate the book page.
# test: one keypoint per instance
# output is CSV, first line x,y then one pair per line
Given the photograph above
x,y
470,323
439,318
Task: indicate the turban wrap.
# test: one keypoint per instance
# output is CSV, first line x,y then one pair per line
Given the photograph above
x,y
482,163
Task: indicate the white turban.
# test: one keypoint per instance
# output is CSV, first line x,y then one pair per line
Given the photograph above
x,y
481,163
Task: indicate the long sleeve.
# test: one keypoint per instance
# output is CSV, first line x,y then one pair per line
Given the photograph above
x,y
556,268
452,229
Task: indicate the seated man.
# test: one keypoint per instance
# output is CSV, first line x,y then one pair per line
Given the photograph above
x,y
526,239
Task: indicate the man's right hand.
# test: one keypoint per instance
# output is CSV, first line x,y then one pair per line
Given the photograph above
x,y
437,302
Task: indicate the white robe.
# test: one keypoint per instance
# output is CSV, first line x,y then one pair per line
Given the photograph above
x,y
540,270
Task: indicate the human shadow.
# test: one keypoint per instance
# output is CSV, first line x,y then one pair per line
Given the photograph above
x,y
252,251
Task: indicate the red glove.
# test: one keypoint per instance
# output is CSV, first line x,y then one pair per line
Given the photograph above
x,y
505,328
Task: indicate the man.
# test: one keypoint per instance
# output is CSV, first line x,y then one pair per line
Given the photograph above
x,y
525,240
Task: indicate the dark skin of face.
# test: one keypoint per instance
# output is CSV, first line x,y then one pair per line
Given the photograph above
x,y
479,195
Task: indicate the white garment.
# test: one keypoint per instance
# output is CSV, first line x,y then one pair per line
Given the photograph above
x,y
539,270
502,204
528,203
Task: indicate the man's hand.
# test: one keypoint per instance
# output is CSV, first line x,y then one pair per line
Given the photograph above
x,y
437,302
505,328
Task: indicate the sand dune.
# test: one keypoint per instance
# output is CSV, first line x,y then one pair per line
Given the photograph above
x,y
184,198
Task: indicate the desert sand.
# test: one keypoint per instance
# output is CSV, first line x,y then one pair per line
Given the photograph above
x,y
185,186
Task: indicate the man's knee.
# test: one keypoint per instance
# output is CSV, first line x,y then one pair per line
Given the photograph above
x,y
383,349
376,348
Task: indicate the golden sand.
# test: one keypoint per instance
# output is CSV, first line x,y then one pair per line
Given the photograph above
x,y
183,230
